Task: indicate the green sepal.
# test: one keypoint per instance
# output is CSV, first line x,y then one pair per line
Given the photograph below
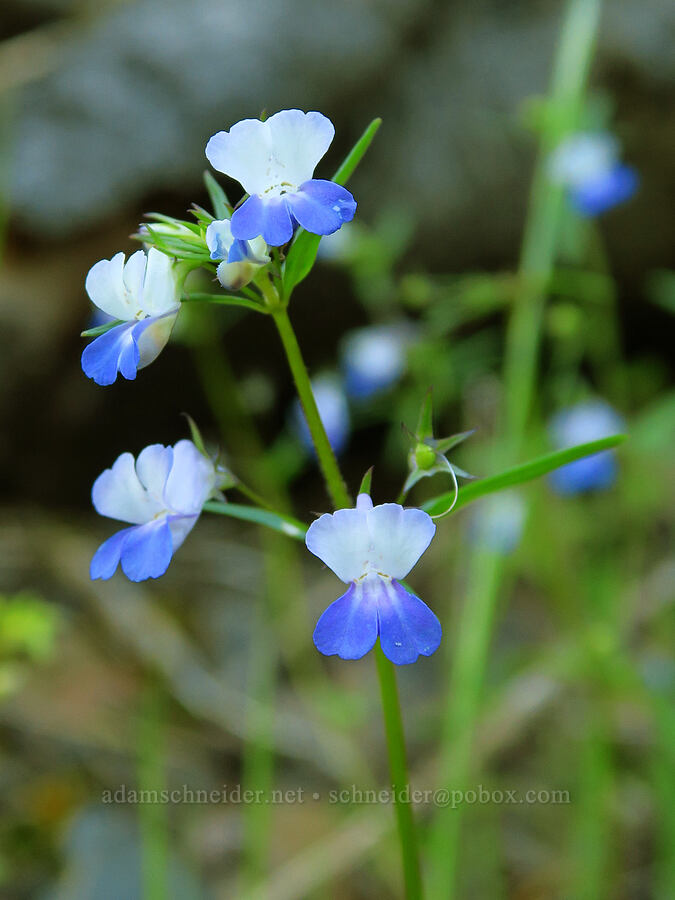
x,y
445,444
366,482
170,220
442,466
303,250
221,205
276,521
196,434
101,329
542,465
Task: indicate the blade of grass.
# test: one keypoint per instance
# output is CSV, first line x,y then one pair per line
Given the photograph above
x,y
520,474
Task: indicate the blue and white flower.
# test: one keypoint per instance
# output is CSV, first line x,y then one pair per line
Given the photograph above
x,y
588,421
333,407
143,294
274,161
371,548
374,358
240,259
588,166
161,495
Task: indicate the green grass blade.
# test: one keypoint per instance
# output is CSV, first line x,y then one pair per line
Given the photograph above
x,y
356,154
520,474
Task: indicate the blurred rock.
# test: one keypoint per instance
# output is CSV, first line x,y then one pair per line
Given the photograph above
x,y
128,110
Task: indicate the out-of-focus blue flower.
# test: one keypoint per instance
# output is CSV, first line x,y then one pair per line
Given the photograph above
x,y
143,294
338,247
161,494
274,161
371,549
331,401
497,522
588,421
374,358
240,259
588,166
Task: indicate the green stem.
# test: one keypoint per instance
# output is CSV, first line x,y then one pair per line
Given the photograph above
x,y
545,214
398,769
152,778
327,461
393,721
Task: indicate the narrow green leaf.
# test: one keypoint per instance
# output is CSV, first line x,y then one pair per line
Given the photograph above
x,y
221,205
101,329
520,474
303,250
178,224
356,154
225,299
276,521
366,481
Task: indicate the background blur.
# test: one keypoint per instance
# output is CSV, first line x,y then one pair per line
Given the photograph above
x,y
105,110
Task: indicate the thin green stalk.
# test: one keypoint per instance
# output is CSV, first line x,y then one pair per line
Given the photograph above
x,y
327,461
152,778
544,217
398,768
391,707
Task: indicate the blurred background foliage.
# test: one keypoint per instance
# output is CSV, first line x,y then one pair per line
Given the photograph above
x,y
208,677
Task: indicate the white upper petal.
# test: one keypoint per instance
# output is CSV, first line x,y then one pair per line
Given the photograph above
x,y
119,494
243,153
152,467
159,293
299,140
105,286
134,276
398,538
145,285
191,480
281,152
386,540
341,540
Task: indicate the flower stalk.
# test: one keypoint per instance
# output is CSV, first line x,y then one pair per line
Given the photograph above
x,y
391,708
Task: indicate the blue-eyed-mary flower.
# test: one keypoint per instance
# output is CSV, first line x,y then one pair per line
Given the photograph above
x,y
161,495
143,294
588,166
374,358
371,548
331,401
587,421
274,161
240,259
